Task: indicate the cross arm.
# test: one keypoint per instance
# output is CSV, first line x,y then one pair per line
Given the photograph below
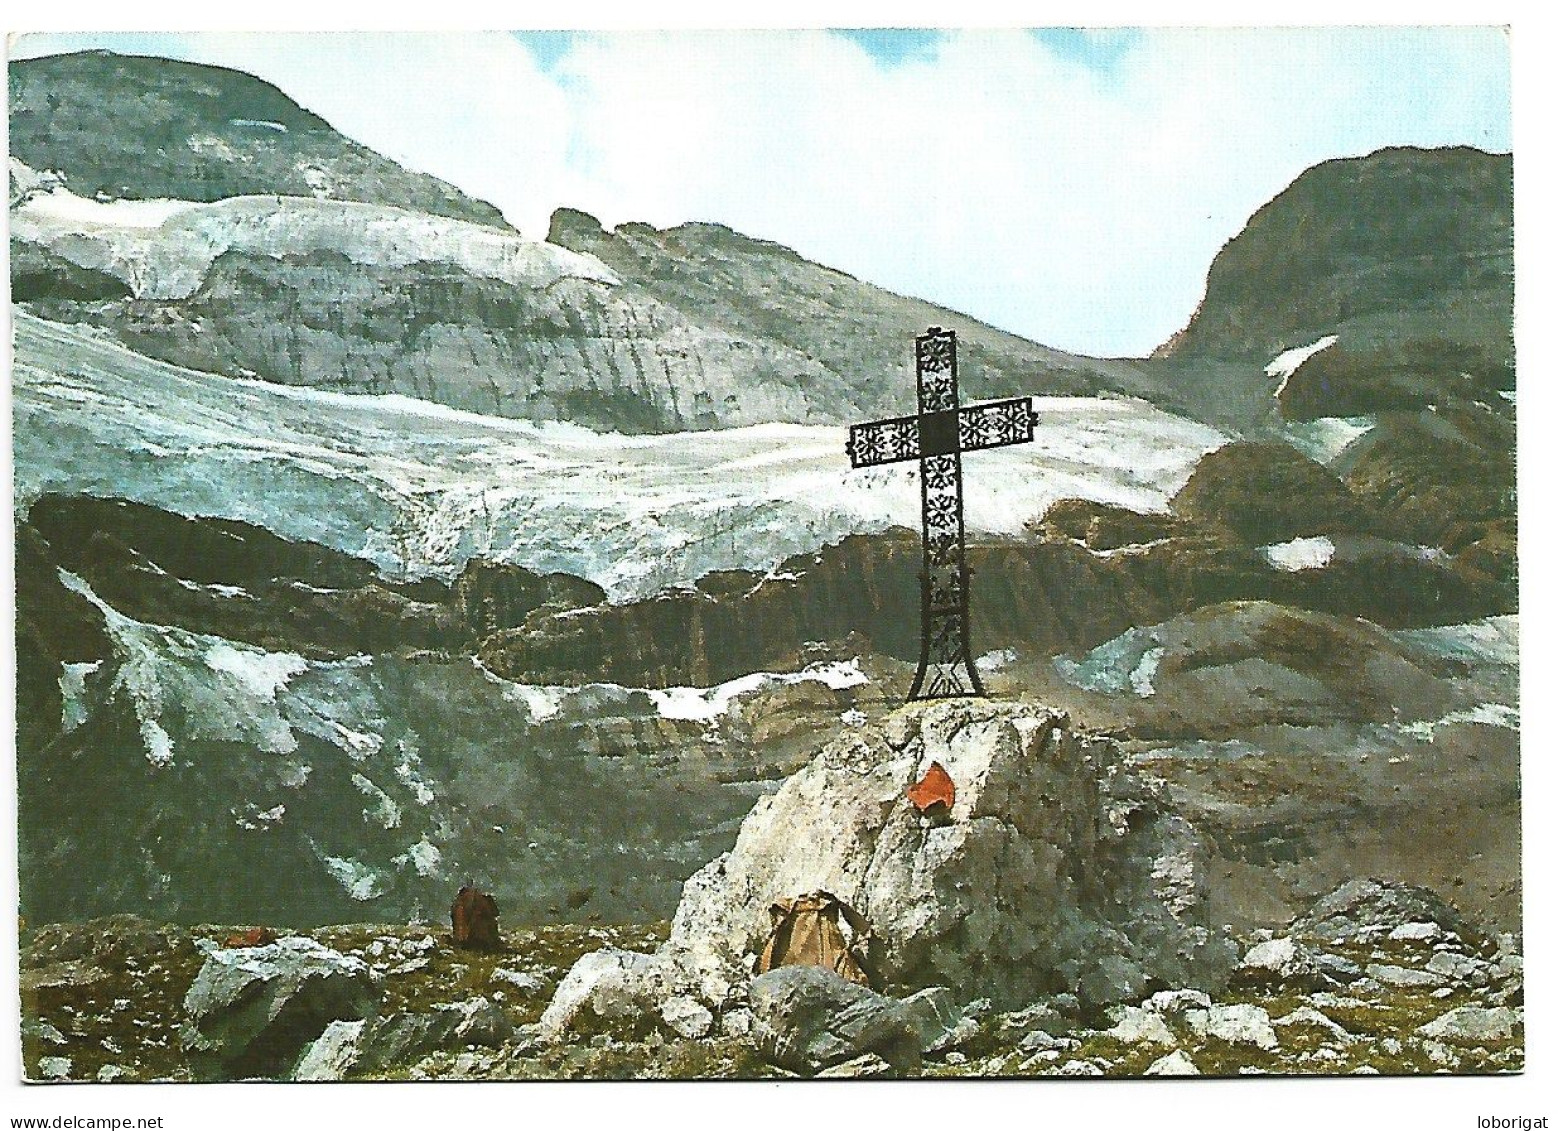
x,y
996,424
884,441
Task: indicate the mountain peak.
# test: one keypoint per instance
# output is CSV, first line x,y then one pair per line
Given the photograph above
x,y
137,127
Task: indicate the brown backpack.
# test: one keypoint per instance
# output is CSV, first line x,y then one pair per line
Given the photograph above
x,y
474,918
806,932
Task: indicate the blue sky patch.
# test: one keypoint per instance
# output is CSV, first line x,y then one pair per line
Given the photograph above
x,y
891,46
1101,49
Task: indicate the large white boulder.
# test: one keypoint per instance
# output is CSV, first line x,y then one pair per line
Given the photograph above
x,y
1057,869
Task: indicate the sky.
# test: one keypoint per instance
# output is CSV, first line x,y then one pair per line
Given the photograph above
x,y
1069,185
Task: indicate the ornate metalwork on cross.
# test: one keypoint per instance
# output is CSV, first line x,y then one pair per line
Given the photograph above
x,y
937,436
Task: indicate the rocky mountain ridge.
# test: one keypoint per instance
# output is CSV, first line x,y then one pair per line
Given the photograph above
x,y
139,128
1399,265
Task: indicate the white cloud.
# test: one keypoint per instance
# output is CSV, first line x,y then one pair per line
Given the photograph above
x,y
1076,205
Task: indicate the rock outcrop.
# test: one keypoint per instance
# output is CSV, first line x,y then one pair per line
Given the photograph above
x,y
1401,245
1057,869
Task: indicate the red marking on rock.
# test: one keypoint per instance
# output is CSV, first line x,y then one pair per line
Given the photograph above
x,y
254,936
934,789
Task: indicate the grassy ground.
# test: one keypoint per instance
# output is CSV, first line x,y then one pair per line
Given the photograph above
x,y
109,997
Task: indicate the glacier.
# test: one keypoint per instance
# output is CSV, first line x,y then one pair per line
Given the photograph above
x,y
163,249
421,489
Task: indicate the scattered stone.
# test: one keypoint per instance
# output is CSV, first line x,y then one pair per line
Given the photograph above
x,y
1365,1070
54,1067
1402,977
253,1010
1040,1041
1508,966
332,1055
809,1019
1240,1024
864,1067
1041,1016
1039,1060
737,1022
1305,1015
687,1016
1136,1025
955,1058
1362,911
410,966
1080,1068
1280,961
606,989
1326,1000
943,1025
1460,968
1417,932
1340,971
36,1029
521,981
1175,1063
1173,1003
109,1073
1472,1025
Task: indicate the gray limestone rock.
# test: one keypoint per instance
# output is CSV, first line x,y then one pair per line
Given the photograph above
x,y
251,1011
1473,1025
1175,1063
809,1019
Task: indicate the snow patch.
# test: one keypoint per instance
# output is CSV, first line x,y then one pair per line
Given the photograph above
x,y
159,744
262,674
1324,439
995,661
424,857
73,688
277,127
1287,363
385,813
705,704
1500,715
542,702
1300,554
1141,675
361,882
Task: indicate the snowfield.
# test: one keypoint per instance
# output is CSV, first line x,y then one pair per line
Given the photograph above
x,y
163,249
419,488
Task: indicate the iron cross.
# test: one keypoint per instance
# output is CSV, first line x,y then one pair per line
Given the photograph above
x,y
937,436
